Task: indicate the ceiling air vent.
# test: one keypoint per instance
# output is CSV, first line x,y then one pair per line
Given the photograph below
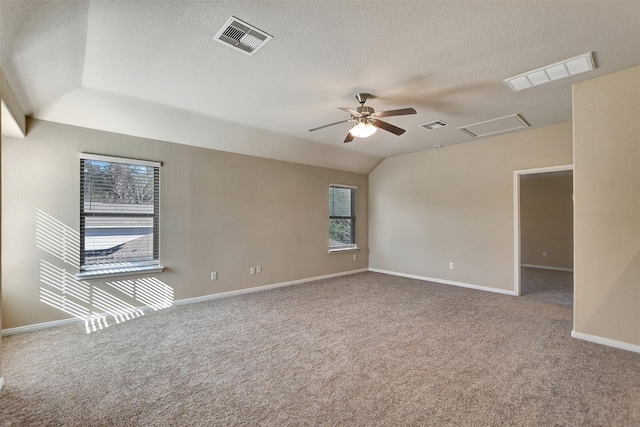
x,y
491,127
242,36
434,125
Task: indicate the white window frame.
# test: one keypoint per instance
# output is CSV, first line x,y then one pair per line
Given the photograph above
x,y
354,204
122,268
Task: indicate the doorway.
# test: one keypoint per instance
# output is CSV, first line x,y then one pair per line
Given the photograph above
x,y
546,249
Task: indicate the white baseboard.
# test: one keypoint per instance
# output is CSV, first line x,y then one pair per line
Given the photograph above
x,y
445,282
39,326
263,288
606,341
1,382
64,322
547,267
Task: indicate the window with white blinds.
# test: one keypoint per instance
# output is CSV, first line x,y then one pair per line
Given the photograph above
x,y
119,215
342,217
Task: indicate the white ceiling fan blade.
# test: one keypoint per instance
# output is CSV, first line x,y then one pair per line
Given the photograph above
x,y
331,124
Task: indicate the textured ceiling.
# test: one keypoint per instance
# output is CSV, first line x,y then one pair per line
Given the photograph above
x,y
151,68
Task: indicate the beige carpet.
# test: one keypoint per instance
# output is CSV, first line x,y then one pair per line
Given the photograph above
x,y
366,349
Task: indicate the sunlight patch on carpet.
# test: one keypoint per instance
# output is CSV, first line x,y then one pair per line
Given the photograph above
x,y
97,304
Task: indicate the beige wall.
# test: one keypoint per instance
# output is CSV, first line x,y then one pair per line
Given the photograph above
x,y
456,205
606,115
546,219
220,212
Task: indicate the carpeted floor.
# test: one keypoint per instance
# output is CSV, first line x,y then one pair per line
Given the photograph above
x,y
555,287
367,349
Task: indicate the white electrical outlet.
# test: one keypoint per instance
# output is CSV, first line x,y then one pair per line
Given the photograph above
x,y
252,270
259,269
544,254
450,266
355,257
214,275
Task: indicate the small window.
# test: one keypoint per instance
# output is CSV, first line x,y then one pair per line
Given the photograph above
x,y
119,216
342,217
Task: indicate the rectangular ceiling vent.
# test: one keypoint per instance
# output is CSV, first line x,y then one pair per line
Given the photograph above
x,y
436,124
494,126
242,36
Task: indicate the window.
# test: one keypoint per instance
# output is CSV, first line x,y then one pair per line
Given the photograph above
x,y
119,216
342,217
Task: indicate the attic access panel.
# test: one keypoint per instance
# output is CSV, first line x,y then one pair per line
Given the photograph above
x,y
494,126
241,36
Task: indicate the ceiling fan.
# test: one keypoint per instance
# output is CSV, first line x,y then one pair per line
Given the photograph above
x,y
367,120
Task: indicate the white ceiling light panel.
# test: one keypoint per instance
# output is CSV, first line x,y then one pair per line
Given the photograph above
x,y
557,72
553,72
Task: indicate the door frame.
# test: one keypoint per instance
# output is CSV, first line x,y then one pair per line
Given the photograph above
x,y
516,216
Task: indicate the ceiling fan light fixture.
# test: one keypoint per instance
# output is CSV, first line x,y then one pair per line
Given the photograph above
x,y
363,129
368,121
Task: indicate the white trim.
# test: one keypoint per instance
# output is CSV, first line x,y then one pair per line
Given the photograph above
x,y
264,288
124,160
516,233
445,282
547,267
74,320
606,341
516,216
1,382
58,323
119,271
39,326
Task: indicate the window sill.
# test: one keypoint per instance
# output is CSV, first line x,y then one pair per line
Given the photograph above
x,y
119,271
339,250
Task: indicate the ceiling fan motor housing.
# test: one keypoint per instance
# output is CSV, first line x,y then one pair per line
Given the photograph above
x,y
365,111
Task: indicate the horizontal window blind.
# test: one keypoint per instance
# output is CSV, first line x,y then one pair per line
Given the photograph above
x,y
119,212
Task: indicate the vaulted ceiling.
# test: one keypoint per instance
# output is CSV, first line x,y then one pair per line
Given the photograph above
x,y
152,69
